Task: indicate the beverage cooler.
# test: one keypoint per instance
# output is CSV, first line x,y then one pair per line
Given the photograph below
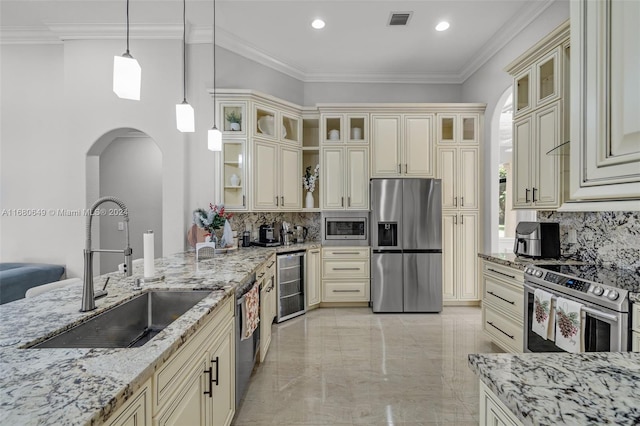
x,y
290,271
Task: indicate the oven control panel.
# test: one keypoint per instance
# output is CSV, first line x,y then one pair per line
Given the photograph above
x,y
573,283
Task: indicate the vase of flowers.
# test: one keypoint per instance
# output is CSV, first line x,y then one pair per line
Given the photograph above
x,y
211,220
309,183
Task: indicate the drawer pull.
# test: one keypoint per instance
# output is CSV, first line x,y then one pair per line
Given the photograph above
x,y
210,373
506,334
502,273
346,291
271,264
345,252
346,269
501,298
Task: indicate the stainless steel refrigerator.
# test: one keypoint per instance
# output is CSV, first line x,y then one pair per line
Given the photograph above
x,y
406,241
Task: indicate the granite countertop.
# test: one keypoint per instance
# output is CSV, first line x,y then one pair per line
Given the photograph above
x,y
84,386
560,388
519,262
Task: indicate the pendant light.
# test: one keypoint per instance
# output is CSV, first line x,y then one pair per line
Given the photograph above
x,y
214,137
127,73
184,112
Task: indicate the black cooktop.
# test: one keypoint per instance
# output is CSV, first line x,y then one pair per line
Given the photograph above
x,y
623,278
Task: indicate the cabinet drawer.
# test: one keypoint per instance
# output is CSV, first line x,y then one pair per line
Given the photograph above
x,y
172,373
503,272
507,297
345,291
505,332
341,269
345,253
635,317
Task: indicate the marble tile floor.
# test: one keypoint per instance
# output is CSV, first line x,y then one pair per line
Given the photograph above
x,y
347,366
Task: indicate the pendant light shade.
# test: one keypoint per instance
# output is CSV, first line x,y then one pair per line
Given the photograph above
x,y
214,139
127,74
185,117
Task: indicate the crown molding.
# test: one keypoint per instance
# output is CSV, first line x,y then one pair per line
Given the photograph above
x,y
28,35
115,31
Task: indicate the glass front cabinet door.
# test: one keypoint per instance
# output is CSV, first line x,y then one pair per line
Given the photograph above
x,y
234,175
234,118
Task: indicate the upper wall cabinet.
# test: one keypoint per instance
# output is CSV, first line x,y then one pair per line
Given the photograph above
x,y
458,128
352,128
605,92
540,82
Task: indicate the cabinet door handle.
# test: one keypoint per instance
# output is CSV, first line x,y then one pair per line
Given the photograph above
x,y
261,275
461,201
406,168
455,219
399,168
243,200
346,269
502,273
217,375
277,201
210,373
348,201
455,201
346,291
526,195
282,198
501,298
534,195
461,219
271,264
341,201
503,332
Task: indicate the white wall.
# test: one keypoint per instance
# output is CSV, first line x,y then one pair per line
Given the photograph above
x,y
378,92
131,170
490,81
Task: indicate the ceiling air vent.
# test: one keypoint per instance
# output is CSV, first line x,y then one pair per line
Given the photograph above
x,y
399,18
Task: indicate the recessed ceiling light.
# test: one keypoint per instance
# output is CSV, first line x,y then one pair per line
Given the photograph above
x,y
442,26
318,24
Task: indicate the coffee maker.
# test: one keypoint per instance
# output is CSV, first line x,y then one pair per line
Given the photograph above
x,y
299,234
266,234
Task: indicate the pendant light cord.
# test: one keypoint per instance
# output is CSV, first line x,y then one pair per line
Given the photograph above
x,y
184,51
128,28
214,64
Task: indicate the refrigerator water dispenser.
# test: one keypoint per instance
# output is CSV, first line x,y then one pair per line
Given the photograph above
x,y
387,234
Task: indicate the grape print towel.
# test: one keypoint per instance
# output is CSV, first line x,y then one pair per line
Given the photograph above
x,y
250,311
543,322
569,325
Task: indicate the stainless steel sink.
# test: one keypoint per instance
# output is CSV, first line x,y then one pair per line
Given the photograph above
x,y
130,324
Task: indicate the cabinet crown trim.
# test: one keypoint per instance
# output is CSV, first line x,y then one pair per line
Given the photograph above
x,y
555,38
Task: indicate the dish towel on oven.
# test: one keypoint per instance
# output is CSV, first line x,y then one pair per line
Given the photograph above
x,y
250,311
543,322
569,324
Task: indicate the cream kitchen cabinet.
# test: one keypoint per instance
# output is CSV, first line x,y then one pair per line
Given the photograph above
x,y
458,167
635,326
345,178
313,278
538,182
349,128
493,412
265,277
458,128
402,145
540,127
136,411
234,174
503,305
605,130
273,122
276,176
460,256
345,274
197,384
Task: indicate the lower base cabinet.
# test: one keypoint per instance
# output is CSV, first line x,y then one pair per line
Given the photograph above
x,y
345,274
136,411
266,277
313,276
635,321
493,412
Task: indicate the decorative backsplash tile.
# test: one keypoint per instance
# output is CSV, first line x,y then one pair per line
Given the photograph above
x,y
252,221
603,237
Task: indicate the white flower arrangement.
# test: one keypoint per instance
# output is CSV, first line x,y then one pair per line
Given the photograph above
x,y
309,179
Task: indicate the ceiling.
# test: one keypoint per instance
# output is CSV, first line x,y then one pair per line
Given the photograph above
x,y
356,45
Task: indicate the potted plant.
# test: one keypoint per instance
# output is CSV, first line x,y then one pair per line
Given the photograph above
x,y
234,118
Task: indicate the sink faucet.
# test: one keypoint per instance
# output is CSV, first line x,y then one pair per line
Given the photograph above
x,y
88,298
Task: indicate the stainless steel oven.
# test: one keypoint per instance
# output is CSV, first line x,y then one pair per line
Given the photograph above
x,y
605,308
345,228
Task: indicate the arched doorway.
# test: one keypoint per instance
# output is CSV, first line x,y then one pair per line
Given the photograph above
x,y
125,163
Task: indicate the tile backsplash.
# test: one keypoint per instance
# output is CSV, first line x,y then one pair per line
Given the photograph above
x,y
602,237
252,221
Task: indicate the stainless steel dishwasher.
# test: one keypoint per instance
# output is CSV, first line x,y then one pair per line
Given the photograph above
x,y
290,294
246,350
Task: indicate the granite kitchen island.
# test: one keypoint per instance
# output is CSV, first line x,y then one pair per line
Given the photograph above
x,y
85,386
562,388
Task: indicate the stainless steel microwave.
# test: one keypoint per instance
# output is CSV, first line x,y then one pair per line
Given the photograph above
x,y
342,228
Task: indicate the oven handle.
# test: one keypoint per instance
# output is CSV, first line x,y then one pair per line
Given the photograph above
x,y
588,310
